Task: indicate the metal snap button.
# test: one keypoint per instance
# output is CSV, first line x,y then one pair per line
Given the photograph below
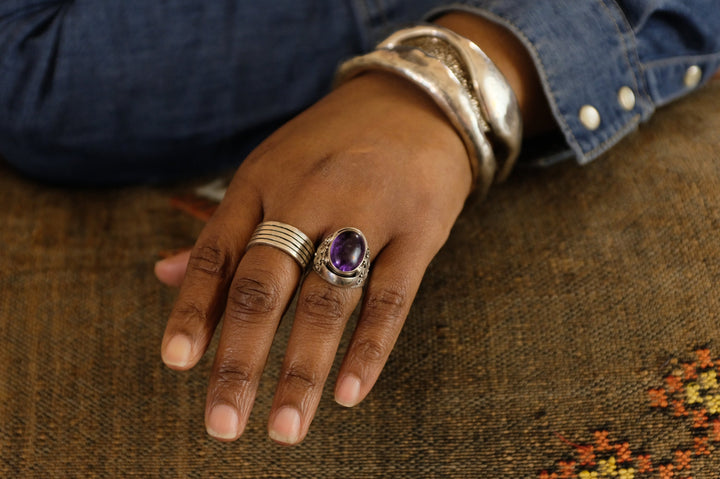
x,y
589,117
693,75
626,98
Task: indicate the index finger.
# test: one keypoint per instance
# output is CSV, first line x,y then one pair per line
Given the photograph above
x,y
210,269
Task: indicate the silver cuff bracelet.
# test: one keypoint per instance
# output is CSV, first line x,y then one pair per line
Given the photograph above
x,y
464,83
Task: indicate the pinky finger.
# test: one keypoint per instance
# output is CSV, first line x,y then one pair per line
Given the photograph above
x,y
393,284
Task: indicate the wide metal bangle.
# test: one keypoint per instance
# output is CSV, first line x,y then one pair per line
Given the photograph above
x,y
476,71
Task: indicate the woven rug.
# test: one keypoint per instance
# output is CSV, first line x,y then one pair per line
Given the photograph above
x,y
570,328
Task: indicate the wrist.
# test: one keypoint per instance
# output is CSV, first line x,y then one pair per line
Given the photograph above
x,y
464,83
411,118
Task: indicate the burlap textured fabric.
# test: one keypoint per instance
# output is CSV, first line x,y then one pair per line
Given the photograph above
x,y
569,328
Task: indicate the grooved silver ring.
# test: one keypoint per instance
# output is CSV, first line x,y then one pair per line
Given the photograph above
x,y
285,238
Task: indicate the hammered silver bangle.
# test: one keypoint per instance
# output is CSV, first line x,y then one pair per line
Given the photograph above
x,y
464,83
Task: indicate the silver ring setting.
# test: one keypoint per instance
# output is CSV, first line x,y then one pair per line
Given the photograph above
x,y
285,238
343,258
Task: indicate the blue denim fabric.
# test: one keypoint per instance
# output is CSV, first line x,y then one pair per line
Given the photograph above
x,y
586,50
107,92
135,90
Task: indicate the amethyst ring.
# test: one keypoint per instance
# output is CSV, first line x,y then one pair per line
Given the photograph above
x,y
343,258
285,238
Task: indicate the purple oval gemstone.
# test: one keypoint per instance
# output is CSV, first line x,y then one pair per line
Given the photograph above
x,y
347,251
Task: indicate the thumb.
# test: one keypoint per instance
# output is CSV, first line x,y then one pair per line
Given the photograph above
x,y
171,270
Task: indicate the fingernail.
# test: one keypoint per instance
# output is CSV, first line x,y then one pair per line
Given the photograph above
x,y
177,352
286,426
348,391
222,422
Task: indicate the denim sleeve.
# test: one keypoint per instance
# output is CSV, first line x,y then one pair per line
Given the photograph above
x,y
606,65
114,91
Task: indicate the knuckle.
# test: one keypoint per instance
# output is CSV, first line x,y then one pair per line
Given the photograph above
x,y
300,378
191,313
232,373
250,297
369,350
210,259
324,308
191,319
386,304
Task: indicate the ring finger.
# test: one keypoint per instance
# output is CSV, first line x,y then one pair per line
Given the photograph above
x,y
322,312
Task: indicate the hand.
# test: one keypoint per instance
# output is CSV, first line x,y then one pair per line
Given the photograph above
x,y
375,154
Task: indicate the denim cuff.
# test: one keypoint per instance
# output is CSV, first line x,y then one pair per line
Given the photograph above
x,y
588,58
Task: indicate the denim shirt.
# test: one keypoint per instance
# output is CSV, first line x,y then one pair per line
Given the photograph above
x,y
108,92
606,65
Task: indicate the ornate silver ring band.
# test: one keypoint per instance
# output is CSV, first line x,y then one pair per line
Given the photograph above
x,y
285,238
343,258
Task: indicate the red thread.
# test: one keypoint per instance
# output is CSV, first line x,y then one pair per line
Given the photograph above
x,y
571,444
200,208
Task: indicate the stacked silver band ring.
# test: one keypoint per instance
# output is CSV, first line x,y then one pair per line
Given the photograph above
x,y
343,258
286,238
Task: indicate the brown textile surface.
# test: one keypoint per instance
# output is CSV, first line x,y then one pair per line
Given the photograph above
x,y
568,327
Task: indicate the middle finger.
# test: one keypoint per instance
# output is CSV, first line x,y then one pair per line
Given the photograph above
x,y
261,289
